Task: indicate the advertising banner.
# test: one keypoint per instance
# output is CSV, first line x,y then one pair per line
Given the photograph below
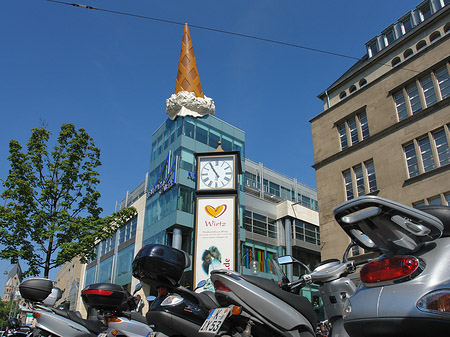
x,y
215,237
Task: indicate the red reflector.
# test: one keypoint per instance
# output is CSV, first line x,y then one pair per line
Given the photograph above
x,y
219,286
96,292
389,269
162,291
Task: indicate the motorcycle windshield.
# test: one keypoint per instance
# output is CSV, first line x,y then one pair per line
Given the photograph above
x,y
378,224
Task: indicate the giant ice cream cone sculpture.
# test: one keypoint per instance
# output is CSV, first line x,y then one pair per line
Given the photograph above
x,y
187,77
188,99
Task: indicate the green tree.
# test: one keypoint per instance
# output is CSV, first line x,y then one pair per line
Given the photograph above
x,y
51,212
6,307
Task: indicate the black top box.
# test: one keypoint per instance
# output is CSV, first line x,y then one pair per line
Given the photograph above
x,y
159,265
36,289
108,296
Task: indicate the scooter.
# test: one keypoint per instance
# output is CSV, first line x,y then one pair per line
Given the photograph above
x,y
116,307
405,292
176,311
335,287
51,321
267,308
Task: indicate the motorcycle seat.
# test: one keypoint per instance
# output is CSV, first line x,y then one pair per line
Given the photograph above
x,y
440,212
300,303
92,325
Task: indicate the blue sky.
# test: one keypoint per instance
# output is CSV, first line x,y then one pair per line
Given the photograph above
x,y
111,74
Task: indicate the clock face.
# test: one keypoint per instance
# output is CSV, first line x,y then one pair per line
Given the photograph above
x,y
216,173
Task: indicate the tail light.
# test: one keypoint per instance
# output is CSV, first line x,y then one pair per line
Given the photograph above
x,y
219,286
112,319
36,315
96,292
389,269
437,302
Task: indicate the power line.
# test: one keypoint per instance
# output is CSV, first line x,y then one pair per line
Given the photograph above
x,y
221,31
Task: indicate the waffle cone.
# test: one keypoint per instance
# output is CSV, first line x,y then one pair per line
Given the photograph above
x,y
188,78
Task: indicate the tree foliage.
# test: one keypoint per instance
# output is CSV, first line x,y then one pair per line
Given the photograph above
x,y
51,212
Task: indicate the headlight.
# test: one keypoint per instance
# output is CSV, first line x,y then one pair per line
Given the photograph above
x,y
172,299
437,301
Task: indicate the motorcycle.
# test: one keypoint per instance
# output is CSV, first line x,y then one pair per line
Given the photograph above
x,y
268,308
335,288
50,321
116,306
176,311
406,291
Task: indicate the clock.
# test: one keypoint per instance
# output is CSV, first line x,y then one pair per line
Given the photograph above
x,y
216,172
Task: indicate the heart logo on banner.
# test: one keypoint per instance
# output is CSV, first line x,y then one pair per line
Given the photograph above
x,y
215,212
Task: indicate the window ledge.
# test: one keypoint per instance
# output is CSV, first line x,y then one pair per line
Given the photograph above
x,y
426,175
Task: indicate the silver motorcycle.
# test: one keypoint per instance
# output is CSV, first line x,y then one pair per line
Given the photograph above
x,y
405,292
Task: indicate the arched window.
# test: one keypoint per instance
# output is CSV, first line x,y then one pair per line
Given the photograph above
x,y
395,61
407,53
352,89
447,28
421,44
342,95
362,83
434,36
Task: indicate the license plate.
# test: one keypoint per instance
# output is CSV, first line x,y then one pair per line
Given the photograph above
x,y
102,334
214,320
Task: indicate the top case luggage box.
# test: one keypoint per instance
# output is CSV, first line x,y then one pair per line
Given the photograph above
x,y
107,296
36,289
159,265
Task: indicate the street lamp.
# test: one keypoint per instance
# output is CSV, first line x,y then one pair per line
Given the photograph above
x,y
253,265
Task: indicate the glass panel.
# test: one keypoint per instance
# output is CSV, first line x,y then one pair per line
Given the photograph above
x,y
426,153
201,133
250,180
90,276
411,160
187,160
442,78
214,138
189,129
414,100
373,48
428,90
370,167
353,131
104,271
400,105
186,200
285,193
418,204
435,200
348,184
274,189
364,125
227,143
390,37
359,177
425,10
306,201
442,148
123,267
343,136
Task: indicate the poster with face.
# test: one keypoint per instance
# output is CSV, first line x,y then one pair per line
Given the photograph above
x,y
214,237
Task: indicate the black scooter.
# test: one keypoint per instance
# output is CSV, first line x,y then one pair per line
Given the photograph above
x,y
176,311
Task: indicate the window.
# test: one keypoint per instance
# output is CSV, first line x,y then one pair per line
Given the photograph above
x,y
348,184
395,61
442,78
406,24
407,101
305,231
362,82
108,245
400,105
420,45
260,224
373,48
128,231
352,89
435,200
342,95
353,130
428,90
425,12
252,180
414,100
389,37
428,152
363,176
447,198
434,36
407,53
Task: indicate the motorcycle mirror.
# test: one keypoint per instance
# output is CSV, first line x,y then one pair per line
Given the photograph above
x,y
150,298
254,267
287,259
138,287
200,284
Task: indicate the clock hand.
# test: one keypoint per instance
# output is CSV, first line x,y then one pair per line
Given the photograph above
x,y
214,170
